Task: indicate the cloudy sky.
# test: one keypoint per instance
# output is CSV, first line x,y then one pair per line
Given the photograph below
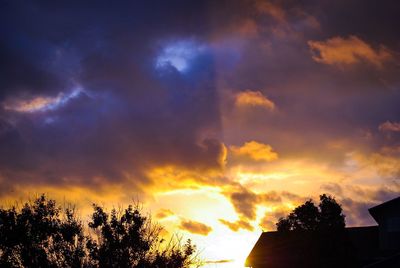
x,y
220,116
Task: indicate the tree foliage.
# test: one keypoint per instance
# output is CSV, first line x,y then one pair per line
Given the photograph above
x,y
317,234
41,234
327,216
129,239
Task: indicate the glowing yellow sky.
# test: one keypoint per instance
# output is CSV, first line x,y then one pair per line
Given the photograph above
x,y
205,198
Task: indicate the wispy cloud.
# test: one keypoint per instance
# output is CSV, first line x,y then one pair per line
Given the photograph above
x,y
390,126
40,103
346,51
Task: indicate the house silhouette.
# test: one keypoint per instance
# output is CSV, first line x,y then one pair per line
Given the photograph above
x,y
369,246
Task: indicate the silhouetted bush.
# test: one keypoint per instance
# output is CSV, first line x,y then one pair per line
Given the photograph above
x,y
41,234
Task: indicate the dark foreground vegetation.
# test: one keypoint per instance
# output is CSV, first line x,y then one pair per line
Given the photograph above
x,y
42,234
310,236
318,234
328,216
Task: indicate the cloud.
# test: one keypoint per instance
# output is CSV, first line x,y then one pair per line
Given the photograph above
x,y
41,103
237,225
390,127
256,151
385,165
275,11
357,212
270,197
218,261
180,55
175,177
164,213
195,227
346,51
245,201
139,118
250,98
357,199
271,218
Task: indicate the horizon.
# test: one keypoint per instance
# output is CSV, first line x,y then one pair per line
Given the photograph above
x,y
220,117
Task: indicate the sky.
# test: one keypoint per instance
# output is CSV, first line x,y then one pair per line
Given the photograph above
x,y
219,116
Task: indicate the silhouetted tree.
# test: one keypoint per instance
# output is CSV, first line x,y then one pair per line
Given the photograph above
x,y
37,236
41,234
331,215
308,217
131,240
318,233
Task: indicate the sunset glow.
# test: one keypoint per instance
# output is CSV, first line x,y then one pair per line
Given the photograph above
x,y
218,117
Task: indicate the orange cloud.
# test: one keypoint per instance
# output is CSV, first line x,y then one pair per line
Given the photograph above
x,y
254,99
351,50
389,126
237,225
164,213
195,227
256,151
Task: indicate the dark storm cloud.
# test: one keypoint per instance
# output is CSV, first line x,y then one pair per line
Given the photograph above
x,y
132,115
129,115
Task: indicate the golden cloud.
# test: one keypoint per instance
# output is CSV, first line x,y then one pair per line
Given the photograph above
x,y
351,50
165,178
237,225
195,227
389,126
164,213
254,99
256,151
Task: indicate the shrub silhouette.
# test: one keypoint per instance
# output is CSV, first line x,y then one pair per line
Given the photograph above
x,y
41,234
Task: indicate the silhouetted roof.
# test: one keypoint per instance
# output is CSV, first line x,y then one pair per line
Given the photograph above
x,y
355,245
390,262
274,249
377,211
